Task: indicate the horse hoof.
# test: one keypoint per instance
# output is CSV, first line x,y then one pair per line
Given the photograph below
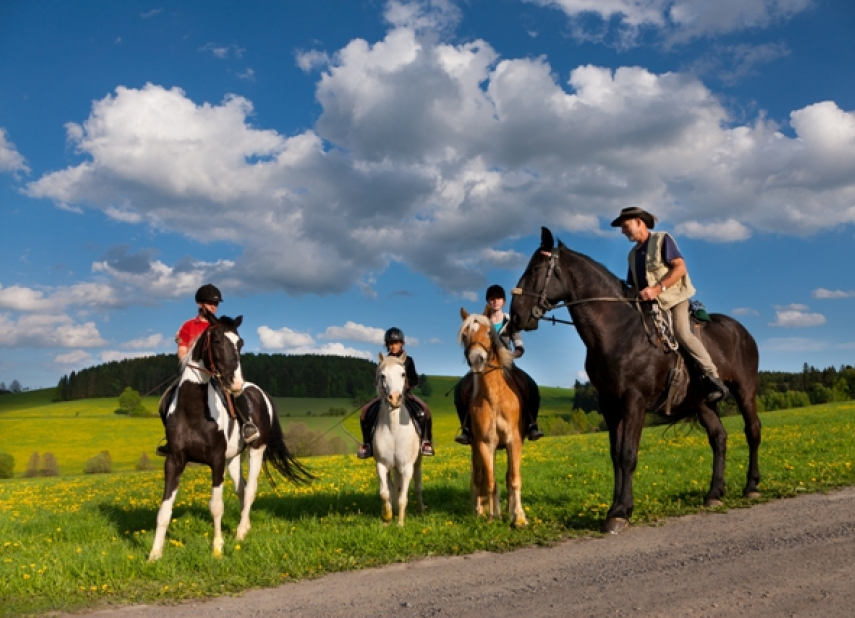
x,y
520,522
751,495
218,553
154,556
615,525
713,503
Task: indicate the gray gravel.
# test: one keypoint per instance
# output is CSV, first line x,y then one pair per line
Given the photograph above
x,y
789,557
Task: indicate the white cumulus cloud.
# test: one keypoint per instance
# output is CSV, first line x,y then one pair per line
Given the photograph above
x,y
823,293
151,342
715,231
283,338
797,319
75,358
10,159
351,331
48,331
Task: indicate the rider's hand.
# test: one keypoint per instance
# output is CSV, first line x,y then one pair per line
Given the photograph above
x,y
651,292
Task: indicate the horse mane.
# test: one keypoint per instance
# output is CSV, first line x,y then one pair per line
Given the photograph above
x,y
604,275
505,356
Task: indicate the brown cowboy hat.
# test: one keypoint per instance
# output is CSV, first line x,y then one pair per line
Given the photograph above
x,y
634,212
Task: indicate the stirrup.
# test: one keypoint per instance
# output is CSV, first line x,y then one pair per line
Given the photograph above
x,y
249,433
162,449
464,437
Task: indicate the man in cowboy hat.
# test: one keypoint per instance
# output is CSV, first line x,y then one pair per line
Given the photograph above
x,y
657,269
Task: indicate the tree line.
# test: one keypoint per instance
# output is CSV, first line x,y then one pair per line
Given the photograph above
x,y
281,375
778,390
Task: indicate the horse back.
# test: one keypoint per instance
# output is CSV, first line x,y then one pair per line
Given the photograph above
x,y
732,348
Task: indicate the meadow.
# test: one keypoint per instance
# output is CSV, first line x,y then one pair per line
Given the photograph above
x,y
76,542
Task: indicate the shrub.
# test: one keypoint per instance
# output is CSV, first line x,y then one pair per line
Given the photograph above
x,y
144,463
304,442
7,466
555,426
102,463
130,403
50,466
33,466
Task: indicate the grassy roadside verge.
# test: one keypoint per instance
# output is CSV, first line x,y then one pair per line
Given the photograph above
x,y
74,543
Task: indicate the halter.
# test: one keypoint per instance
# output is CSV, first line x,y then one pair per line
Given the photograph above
x,y
490,354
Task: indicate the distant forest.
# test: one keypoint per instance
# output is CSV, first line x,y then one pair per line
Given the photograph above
x,y
279,374
779,390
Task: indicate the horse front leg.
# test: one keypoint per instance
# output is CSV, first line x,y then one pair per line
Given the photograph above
x,y
624,439
717,436
217,506
403,482
383,477
172,469
256,459
514,484
745,398
487,497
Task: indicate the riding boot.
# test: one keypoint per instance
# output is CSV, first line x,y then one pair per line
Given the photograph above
x,y
427,436
531,402
244,406
716,390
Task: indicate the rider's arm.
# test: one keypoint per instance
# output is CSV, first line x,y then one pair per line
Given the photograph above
x,y
519,348
676,271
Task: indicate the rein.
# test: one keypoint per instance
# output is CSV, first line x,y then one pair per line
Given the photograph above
x,y
214,373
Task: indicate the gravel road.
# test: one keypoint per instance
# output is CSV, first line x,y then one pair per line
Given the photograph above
x,y
790,557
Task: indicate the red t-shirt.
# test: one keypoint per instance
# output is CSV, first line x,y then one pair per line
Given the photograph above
x,y
190,330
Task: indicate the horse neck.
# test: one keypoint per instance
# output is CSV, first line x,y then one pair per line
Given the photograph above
x,y
193,365
596,322
489,384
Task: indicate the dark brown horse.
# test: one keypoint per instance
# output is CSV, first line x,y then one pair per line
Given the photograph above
x,y
631,372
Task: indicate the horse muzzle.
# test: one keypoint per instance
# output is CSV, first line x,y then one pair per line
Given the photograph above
x,y
394,399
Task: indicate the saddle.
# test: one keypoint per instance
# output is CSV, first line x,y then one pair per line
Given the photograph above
x,y
416,412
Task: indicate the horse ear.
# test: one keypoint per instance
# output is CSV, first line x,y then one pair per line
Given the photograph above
x,y
238,321
463,313
381,356
210,317
547,242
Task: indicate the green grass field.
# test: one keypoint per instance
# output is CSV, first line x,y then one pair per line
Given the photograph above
x,y
76,431
81,541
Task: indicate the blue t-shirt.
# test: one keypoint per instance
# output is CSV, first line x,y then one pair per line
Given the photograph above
x,y
670,252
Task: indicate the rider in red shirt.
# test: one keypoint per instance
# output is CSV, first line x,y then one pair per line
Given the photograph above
x,y
208,298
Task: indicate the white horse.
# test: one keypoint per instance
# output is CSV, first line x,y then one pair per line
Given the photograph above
x,y
397,446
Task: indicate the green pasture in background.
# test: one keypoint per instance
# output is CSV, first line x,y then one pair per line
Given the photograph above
x,y
76,431
77,542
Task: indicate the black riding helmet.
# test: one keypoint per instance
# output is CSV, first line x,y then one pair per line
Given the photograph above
x,y
495,291
209,294
394,335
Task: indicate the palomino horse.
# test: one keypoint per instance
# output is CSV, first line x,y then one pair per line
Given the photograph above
x,y
201,429
496,414
631,372
397,446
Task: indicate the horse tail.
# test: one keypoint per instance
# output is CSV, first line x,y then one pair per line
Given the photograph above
x,y
277,454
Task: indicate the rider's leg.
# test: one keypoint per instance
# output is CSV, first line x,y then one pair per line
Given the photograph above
x,y
163,408
427,427
531,402
367,419
462,397
244,406
695,347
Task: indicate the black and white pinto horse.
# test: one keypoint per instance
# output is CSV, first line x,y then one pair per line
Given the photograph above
x,y
201,428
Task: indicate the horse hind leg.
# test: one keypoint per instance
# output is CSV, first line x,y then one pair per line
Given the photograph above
x,y
745,399
256,459
717,436
417,482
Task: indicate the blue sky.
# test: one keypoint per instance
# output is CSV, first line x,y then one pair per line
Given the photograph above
x,y
339,167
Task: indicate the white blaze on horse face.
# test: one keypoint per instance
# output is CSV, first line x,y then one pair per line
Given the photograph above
x,y
393,380
238,381
477,354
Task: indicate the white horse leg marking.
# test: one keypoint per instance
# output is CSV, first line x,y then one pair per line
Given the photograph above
x,y
217,509
256,458
164,515
383,476
514,483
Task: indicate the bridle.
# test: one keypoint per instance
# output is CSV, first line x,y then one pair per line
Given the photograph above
x,y
543,305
